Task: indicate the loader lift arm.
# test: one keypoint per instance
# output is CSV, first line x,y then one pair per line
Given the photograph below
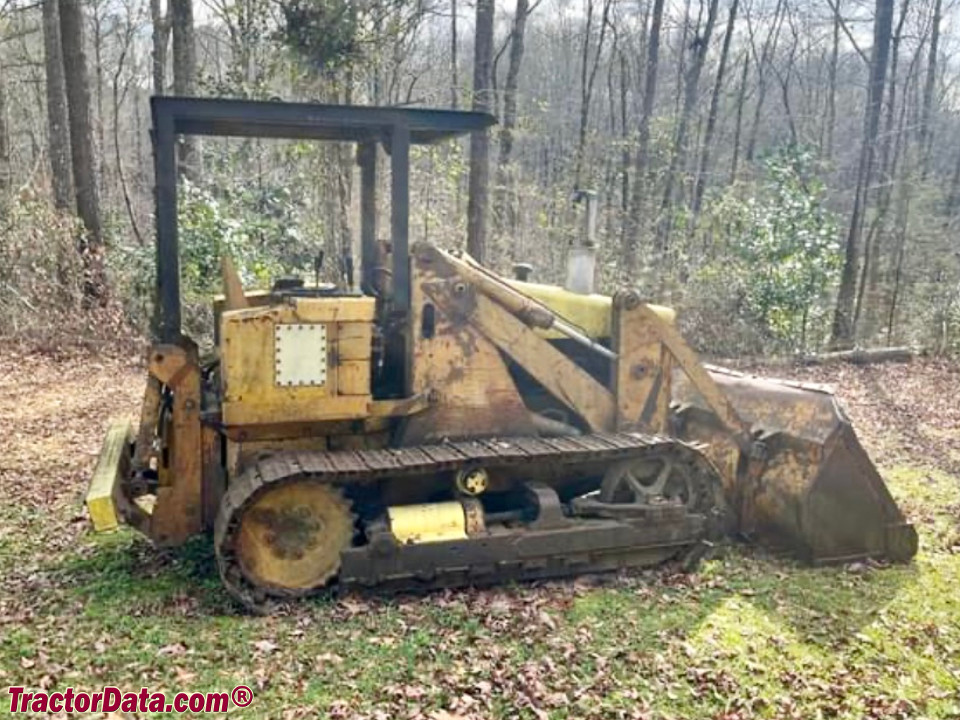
x,y
645,346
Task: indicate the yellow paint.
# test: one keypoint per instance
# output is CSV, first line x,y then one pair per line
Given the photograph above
x,y
295,405
566,380
353,377
642,372
590,313
467,376
107,476
354,340
232,288
429,522
292,535
333,309
248,361
178,512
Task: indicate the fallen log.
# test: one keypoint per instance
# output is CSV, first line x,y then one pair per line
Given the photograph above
x,y
859,356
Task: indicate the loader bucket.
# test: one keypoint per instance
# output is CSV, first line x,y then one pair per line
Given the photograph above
x,y
813,492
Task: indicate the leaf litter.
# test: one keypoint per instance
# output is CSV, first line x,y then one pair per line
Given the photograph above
x,y
747,636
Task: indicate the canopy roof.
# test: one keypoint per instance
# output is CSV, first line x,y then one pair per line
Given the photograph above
x,y
311,121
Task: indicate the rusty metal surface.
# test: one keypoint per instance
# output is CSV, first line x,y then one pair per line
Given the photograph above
x,y
578,545
525,554
818,495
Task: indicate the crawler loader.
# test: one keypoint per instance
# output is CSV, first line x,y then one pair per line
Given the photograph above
x,y
440,425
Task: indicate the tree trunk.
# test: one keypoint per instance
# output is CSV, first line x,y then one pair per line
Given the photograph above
x,y
682,55
161,35
869,270
632,236
5,178
854,357
504,217
763,62
738,125
58,122
82,151
712,115
926,132
844,326
624,138
902,213
588,77
831,119
125,50
478,187
953,197
184,75
679,154
98,119
784,81
454,79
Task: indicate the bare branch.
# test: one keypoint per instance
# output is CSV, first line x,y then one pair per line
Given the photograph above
x,y
846,31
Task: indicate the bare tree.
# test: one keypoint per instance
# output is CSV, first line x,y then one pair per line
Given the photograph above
x,y
184,72
58,121
691,90
128,37
161,38
830,120
503,210
5,170
783,79
887,166
762,61
926,133
479,181
82,149
632,236
738,125
588,78
454,56
844,326
97,8
712,114
580,98
953,196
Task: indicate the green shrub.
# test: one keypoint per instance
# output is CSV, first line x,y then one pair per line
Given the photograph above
x,y
778,255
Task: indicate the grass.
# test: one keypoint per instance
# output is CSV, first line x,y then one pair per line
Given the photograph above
x,y
747,636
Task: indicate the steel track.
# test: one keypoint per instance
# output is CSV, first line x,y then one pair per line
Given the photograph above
x,y
350,468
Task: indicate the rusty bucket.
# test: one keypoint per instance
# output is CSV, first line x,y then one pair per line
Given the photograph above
x,y
809,488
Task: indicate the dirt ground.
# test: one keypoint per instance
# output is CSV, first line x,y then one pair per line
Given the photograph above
x,y
747,636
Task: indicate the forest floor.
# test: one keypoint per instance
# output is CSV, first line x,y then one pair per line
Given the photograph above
x,y
746,636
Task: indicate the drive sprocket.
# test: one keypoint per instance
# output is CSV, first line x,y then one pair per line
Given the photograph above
x,y
285,541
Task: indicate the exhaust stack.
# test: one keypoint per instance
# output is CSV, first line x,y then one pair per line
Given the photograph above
x,y
582,256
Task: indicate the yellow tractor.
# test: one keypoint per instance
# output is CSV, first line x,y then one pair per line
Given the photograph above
x,y
441,425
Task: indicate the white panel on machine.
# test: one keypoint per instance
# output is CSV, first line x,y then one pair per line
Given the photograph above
x,y
300,354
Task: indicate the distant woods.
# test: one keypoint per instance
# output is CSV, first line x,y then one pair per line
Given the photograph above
x,y
786,173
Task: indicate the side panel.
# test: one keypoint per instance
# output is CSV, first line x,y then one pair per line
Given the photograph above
x,y
319,370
